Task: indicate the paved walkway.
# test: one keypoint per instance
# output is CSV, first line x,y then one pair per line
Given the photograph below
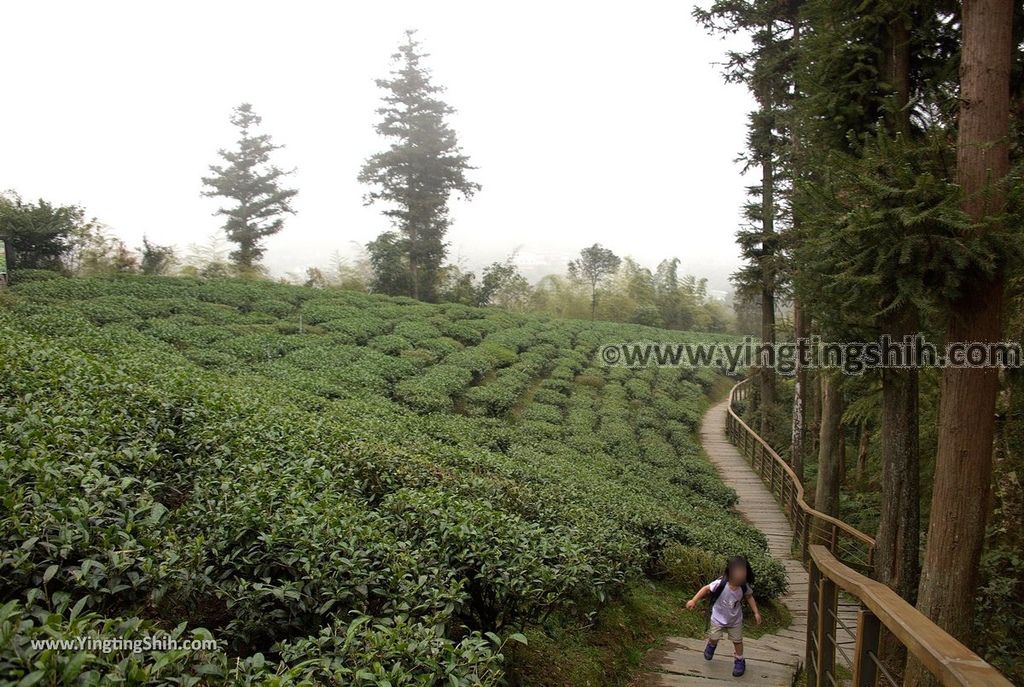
x,y
772,660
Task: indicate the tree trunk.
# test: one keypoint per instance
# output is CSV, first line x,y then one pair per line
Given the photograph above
x,y
766,153
767,372
896,66
826,495
897,545
841,455
414,271
963,463
814,411
798,436
863,442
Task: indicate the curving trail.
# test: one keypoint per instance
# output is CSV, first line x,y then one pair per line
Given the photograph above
x,y
772,660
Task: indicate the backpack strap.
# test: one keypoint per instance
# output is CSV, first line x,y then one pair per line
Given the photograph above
x,y
717,591
713,598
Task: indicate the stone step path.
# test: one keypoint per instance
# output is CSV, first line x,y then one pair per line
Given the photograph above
x,y
772,659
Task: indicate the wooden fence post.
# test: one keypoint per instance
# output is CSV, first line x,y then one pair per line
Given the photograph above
x,y
865,672
813,621
827,611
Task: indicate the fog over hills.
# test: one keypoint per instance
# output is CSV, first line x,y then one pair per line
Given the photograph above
x,y
593,125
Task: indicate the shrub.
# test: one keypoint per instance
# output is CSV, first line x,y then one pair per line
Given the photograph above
x,y
24,276
392,344
317,497
688,567
543,413
433,391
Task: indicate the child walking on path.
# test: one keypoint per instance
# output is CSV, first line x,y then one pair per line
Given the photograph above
x,y
727,594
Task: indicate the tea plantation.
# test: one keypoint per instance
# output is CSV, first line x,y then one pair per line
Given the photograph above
x,y
341,488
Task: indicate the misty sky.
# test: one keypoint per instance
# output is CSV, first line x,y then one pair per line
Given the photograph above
x,y
588,121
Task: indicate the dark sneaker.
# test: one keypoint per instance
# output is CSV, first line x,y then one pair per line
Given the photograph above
x,y
739,666
709,651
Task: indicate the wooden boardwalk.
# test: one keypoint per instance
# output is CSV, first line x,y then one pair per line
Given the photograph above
x,y
773,660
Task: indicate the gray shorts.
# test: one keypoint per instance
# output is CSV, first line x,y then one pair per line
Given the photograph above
x,y
717,631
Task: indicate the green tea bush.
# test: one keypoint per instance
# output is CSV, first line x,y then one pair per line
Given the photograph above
x,y
465,331
441,346
417,331
483,358
24,276
392,344
433,390
543,413
381,495
549,396
269,306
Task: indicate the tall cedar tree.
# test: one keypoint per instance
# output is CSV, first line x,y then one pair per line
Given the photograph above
x,y
798,437
766,70
881,219
254,184
826,493
853,278
885,242
963,464
853,76
423,166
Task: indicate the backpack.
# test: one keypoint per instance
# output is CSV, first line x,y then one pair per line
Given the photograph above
x,y
717,592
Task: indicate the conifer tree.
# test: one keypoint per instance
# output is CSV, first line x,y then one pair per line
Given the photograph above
x,y
254,184
766,70
420,170
877,243
963,464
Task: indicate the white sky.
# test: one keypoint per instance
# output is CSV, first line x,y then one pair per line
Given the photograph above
x,y
588,121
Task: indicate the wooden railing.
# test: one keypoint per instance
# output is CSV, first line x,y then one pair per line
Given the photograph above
x,y
847,543
940,653
836,555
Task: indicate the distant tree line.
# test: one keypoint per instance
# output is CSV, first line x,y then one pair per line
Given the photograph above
x,y
412,181
43,236
596,285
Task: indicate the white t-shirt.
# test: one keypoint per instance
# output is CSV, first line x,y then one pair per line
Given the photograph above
x,y
728,608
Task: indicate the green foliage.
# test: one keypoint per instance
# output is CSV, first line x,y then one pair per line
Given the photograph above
x,y
253,184
155,259
433,391
388,255
38,235
414,177
594,266
330,502
888,233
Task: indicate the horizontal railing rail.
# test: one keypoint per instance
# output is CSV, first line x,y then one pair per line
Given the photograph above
x,y
951,662
837,555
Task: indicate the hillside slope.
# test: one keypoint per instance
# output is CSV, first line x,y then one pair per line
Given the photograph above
x,y
339,487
